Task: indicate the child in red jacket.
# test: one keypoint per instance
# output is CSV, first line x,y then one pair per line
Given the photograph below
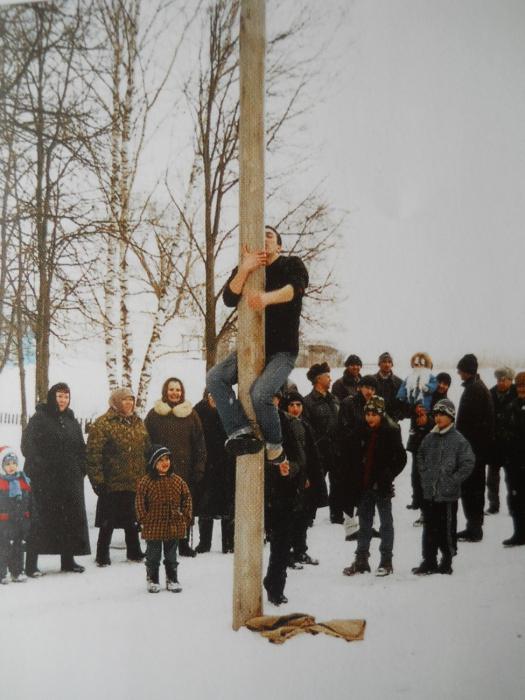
x,y
15,503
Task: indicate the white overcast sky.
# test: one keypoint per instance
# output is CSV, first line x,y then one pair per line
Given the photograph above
x,y
425,146
421,138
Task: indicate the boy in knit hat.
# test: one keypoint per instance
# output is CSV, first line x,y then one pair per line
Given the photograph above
x,y
164,510
444,460
15,495
377,456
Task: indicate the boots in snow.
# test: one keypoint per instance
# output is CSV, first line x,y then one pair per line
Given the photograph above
x,y
425,568
172,582
205,534
227,532
360,565
152,577
385,567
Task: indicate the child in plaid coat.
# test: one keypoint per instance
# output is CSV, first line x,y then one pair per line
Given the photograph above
x,y
164,510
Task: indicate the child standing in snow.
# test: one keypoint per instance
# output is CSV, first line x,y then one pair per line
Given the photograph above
x,y
444,460
15,495
164,510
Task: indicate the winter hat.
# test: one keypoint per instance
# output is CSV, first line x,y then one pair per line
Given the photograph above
x,y
165,389
375,405
117,397
368,380
7,454
156,452
520,379
316,370
445,406
504,373
421,359
353,360
468,364
289,398
445,378
385,356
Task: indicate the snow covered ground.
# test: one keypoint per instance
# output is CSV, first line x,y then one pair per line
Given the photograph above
x,y
100,635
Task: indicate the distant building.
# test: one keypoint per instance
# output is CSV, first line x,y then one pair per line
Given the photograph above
x,y
318,352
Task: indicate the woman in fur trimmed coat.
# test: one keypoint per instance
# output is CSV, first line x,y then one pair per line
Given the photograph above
x,y
173,422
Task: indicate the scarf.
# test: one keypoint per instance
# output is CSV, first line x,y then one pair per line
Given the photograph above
x,y
15,490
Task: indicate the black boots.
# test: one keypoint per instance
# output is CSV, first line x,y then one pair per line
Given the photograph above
x,y
67,563
185,550
360,565
205,534
152,578
227,534
172,582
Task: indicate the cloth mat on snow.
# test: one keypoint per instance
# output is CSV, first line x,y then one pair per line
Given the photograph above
x,y
278,628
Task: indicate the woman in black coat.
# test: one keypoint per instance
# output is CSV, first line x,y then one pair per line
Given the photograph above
x,y
216,492
54,448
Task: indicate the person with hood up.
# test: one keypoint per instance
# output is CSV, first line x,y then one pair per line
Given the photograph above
x,y
173,422
117,446
163,506
15,509
54,448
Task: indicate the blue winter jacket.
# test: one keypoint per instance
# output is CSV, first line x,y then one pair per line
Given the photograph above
x,y
444,460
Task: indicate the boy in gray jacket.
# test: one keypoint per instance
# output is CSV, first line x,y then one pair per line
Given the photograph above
x,y
444,461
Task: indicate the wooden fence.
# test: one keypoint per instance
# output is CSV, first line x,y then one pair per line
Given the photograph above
x,y
16,419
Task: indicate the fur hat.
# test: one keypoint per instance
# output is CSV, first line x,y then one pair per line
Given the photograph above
x,y
289,398
368,380
504,373
7,453
353,360
117,397
445,406
444,377
385,356
519,379
375,405
316,370
468,364
421,359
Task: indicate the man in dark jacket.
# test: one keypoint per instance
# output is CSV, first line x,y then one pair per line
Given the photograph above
x,y
502,394
351,418
444,461
475,422
377,457
515,468
299,442
444,380
388,385
286,282
321,410
348,384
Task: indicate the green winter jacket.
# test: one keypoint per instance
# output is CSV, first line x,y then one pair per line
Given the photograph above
x,y
117,450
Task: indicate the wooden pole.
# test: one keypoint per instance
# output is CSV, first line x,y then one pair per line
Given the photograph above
x,y
249,493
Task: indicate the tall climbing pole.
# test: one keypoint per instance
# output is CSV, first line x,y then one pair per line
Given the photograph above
x,y
249,493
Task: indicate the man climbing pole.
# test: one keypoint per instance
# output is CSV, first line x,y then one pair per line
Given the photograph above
x,y
286,281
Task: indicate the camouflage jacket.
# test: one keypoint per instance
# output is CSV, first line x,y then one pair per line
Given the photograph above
x,y
164,507
116,451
